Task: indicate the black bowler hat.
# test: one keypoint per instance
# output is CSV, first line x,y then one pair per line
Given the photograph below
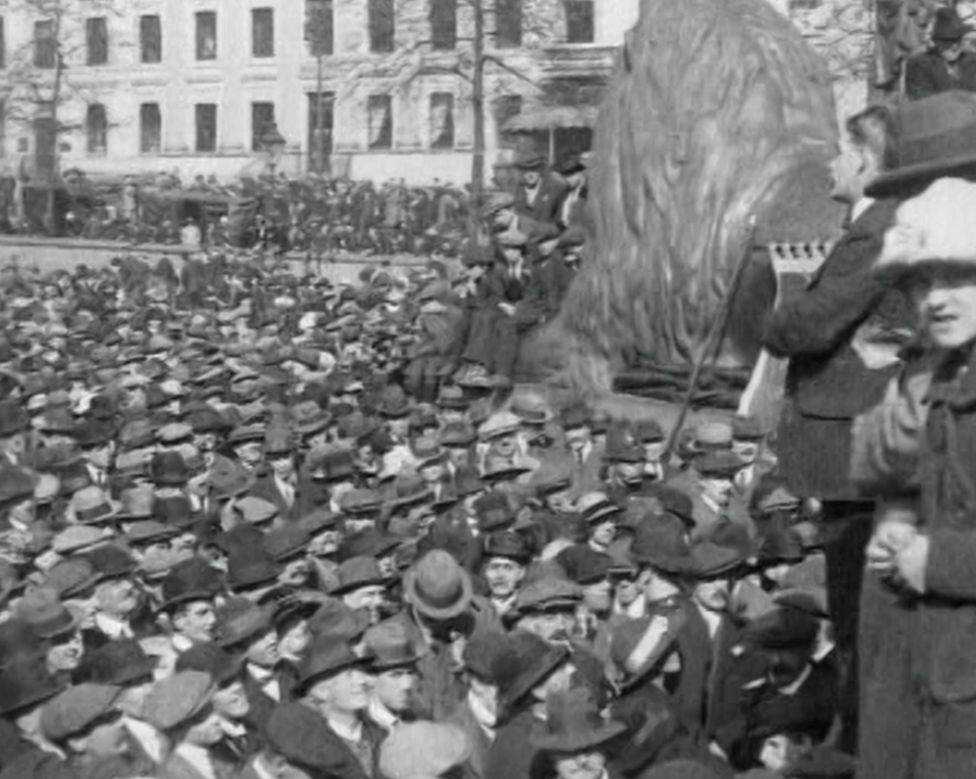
x,y
936,137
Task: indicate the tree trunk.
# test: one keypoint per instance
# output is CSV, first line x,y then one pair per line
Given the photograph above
x,y
478,104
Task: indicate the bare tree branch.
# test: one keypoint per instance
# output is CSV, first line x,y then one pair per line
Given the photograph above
x,y
508,68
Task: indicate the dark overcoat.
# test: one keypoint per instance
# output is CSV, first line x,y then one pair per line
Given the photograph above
x,y
928,74
827,384
942,629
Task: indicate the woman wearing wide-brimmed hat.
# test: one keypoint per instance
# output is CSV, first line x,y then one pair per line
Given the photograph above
x,y
574,741
916,687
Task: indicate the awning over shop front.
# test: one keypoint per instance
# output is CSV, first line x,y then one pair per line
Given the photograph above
x,y
550,117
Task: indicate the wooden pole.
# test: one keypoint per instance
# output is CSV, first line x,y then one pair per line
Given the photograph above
x,y
709,349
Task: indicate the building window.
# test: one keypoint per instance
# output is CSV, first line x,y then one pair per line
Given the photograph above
x,y
206,35
443,24
96,40
506,107
380,122
150,128
206,124
150,39
262,120
262,32
45,46
508,23
442,120
381,25
319,27
579,21
96,129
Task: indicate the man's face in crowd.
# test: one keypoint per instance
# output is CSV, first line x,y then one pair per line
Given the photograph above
x,y
196,620
531,177
324,543
458,456
65,652
626,589
503,576
653,452
207,730
368,599
399,428
101,456
295,573
560,501
717,489
205,442
603,533
630,473
713,594
283,465
293,639
578,437
553,627
117,597
432,472
263,651
347,691
394,688
505,445
579,765
746,450
231,700
950,51
598,596
946,303
249,453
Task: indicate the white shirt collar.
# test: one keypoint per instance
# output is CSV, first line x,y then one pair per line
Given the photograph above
x,y
381,715
113,627
198,757
353,734
862,205
261,675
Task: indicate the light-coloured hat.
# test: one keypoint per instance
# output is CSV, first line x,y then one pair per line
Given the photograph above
x,y
935,228
417,750
499,424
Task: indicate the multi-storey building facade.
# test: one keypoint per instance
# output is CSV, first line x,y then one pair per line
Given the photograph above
x,y
195,85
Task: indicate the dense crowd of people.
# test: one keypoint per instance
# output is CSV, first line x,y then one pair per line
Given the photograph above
x,y
310,214
267,526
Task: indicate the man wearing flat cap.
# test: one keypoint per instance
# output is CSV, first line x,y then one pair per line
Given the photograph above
x,y
539,192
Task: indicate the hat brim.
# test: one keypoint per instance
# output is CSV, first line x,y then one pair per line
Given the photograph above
x,y
456,609
911,177
342,589
533,675
576,742
318,674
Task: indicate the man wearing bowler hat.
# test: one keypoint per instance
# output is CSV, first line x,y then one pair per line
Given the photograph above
x,y
441,610
947,64
326,729
393,667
